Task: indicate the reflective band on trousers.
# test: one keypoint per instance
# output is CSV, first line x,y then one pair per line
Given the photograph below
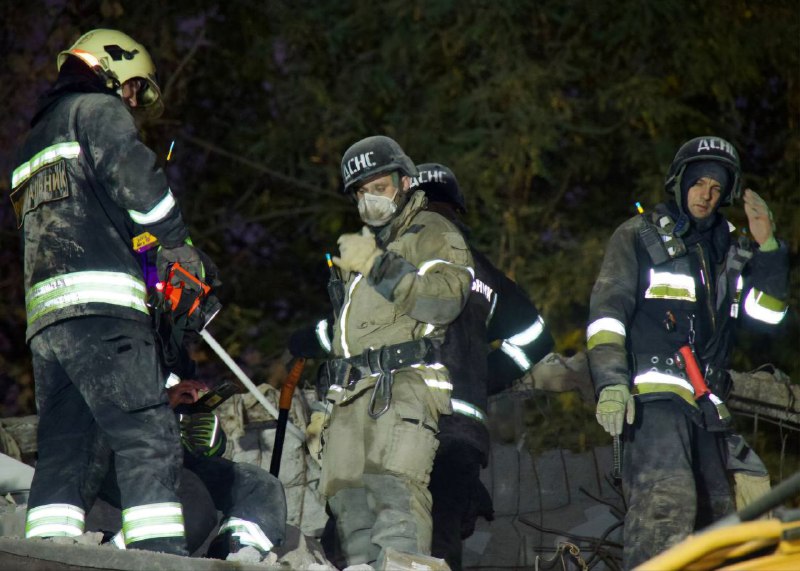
x,y
764,307
322,335
152,521
43,158
463,407
155,214
55,520
666,285
115,288
247,532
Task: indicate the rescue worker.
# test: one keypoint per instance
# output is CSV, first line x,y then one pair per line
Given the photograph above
x,y
84,178
496,339
407,275
672,285
251,500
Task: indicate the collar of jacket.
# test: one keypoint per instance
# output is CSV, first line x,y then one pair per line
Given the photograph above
x,y
73,78
402,221
714,237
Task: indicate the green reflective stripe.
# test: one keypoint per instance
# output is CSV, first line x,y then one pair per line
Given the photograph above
x,y
603,337
155,214
247,532
465,408
764,307
669,292
644,389
152,521
605,330
85,287
666,285
43,158
54,520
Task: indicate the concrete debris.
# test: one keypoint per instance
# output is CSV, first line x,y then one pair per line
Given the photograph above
x,y
541,502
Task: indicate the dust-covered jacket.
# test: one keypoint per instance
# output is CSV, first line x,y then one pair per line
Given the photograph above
x,y
84,180
641,313
415,288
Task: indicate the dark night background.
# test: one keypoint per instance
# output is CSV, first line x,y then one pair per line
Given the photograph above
x,y
555,116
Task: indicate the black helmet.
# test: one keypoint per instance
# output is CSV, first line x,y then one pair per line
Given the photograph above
x,y
706,149
373,156
439,184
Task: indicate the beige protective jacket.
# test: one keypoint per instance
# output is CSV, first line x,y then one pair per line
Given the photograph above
x,y
415,288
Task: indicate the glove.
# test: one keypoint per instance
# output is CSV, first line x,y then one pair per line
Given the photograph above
x,y
201,434
186,255
615,404
314,434
358,252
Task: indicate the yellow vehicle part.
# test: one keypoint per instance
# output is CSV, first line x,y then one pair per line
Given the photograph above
x,y
753,546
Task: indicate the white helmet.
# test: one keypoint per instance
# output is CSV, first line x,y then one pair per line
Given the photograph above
x,y
116,58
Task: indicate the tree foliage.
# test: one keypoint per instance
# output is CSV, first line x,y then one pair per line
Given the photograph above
x,y
555,116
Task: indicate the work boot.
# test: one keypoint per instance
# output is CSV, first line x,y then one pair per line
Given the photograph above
x,y
223,545
227,546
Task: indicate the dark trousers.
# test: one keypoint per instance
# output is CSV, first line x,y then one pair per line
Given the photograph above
x,y
243,491
674,479
459,497
100,373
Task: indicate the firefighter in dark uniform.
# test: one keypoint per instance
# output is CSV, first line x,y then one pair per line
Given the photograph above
x,y
672,285
496,339
83,180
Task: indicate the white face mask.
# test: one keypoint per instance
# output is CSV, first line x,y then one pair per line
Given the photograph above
x,y
376,210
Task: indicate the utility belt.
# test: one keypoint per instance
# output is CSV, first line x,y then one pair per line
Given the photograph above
x,y
667,373
345,372
717,379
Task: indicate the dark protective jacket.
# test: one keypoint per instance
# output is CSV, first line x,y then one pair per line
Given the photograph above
x,y
83,180
496,339
642,313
